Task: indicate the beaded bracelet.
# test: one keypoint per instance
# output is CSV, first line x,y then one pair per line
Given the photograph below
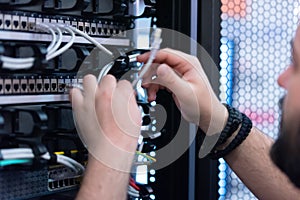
x,y
234,120
239,138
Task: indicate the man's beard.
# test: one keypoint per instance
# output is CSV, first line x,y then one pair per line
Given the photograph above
x,y
285,152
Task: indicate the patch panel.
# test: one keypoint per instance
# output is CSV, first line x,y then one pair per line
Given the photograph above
x,y
36,85
24,23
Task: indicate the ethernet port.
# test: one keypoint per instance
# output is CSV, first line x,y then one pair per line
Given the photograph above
x,y
31,26
47,86
105,31
62,87
7,88
80,28
1,88
31,87
16,87
61,183
50,185
7,23
55,184
87,29
24,86
23,24
39,87
16,24
67,182
99,30
93,30
53,86
1,22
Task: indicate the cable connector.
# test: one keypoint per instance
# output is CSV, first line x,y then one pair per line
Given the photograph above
x,y
155,45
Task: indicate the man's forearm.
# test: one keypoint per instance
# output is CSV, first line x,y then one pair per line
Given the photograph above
x,y
103,182
252,163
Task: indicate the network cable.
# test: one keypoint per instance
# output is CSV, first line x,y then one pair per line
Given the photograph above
x,y
15,155
53,49
155,45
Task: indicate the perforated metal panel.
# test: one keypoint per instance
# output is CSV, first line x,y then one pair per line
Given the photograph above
x,y
255,48
23,184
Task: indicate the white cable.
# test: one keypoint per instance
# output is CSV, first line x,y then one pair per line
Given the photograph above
x,y
23,153
104,71
50,56
133,194
92,40
155,45
58,42
64,160
72,161
66,163
18,156
16,60
132,189
15,150
47,28
16,66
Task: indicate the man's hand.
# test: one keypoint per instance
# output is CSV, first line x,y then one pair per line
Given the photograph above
x,y
108,120
183,75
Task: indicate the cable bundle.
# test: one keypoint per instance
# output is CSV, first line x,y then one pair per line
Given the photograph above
x,y
26,155
53,50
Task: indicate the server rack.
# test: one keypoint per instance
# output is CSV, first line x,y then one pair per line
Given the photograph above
x,y
43,47
33,99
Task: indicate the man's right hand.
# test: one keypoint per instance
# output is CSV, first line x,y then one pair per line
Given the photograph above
x,y
184,76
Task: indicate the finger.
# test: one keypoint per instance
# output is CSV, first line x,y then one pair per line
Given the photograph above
x,y
152,91
89,85
131,114
176,59
76,98
168,78
125,87
107,85
104,93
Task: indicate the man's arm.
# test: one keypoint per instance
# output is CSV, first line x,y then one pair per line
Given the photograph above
x,y
110,132
252,164
103,182
250,160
